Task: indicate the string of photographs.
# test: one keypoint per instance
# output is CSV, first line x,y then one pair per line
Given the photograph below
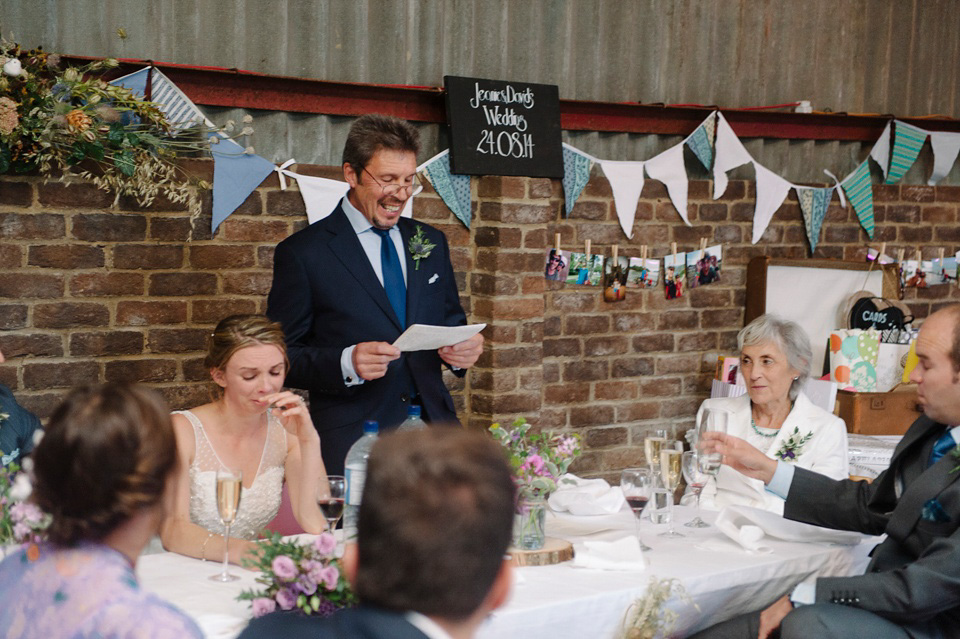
x,y
920,273
718,148
616,274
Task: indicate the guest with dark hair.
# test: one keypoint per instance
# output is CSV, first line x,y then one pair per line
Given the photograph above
x,y
17,427
102,472
429,562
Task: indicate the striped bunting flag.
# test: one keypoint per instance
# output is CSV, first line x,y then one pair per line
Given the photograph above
x,y
907,141
179,110
859,190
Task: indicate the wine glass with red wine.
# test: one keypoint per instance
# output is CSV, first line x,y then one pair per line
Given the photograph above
x,y
637,484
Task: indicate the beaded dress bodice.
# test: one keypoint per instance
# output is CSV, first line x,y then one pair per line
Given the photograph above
x,y
258,504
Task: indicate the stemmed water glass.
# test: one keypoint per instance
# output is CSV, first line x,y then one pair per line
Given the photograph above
x,y
637,484
696,479
229,487
331,501
712,421
671,470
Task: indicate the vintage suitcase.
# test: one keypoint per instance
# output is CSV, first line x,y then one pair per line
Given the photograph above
x,y
889,413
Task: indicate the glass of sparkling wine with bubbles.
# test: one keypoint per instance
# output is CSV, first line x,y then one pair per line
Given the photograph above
x,y
637,485
651,449
229,487
671,470
331,500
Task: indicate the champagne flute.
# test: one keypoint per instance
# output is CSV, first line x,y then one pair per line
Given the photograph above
x,y
229,487
331,502
636,484
696,479
671,470
651,448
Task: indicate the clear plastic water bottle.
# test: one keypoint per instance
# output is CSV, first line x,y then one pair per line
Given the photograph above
x,y
356,475
413,420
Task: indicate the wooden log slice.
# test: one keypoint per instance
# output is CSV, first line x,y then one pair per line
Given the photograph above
x,y
554,551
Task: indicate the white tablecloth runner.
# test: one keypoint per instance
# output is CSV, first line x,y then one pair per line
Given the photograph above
x,y
558,602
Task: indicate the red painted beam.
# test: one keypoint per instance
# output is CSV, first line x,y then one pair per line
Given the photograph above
x,y
233,88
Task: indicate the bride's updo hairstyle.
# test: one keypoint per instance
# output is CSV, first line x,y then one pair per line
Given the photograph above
x,y
106,455
240,331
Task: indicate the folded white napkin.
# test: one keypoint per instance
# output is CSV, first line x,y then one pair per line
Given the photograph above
x,y
747,526
747,536
586,496
623,554
219,626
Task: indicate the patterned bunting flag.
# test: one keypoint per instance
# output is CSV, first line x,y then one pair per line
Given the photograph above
x,y
860,191
453,188
701,141
179,110
576,174
907,141
814,203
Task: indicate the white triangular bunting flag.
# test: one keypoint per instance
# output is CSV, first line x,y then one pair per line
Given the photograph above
x,y
668,168
881,150
730,153
321,195
946,147
626,182
771,191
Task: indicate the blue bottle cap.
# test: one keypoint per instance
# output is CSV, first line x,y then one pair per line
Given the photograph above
x,y
413,411
371,426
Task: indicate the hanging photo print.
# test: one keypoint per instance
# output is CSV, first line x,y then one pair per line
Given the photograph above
x,y
585,270
643,273
558,265
674,270
917,274
708,268
944,271
615,279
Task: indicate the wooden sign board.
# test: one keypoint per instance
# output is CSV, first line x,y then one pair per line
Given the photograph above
x,y
503,128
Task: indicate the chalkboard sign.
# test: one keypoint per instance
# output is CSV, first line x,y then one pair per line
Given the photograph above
x,y
504,128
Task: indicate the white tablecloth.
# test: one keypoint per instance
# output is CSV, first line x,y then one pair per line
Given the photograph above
x,y
558,602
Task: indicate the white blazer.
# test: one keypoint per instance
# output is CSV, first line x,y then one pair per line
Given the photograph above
x,y
824,453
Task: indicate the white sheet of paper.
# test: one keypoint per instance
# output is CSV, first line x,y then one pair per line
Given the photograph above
x,y
423,337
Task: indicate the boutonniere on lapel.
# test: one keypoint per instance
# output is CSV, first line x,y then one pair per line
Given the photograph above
x,y
419,247
955,453
792,445
933,511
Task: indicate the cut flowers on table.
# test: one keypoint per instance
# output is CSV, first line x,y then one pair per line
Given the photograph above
x,y
538,460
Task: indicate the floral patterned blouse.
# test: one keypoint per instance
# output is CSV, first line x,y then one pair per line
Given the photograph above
x,y
83,592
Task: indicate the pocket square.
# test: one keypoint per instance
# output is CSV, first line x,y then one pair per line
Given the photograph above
x,y
933,511
433,278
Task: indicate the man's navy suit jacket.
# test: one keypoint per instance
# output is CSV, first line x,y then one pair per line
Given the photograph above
x,y
364,622
327,297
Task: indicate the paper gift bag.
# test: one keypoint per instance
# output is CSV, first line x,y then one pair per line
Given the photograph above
x,y
853,359
891,359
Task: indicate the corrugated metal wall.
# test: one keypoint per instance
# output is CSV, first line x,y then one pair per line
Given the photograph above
x,y
880,56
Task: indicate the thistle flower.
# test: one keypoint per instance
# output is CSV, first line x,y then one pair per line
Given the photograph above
x,y
78,120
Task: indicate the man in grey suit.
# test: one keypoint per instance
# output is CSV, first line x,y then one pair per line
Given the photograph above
x,y
912,586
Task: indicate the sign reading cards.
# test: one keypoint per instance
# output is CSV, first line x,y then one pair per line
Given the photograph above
x,y
504,128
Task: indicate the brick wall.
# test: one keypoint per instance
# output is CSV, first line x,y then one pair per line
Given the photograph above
x,y
96,291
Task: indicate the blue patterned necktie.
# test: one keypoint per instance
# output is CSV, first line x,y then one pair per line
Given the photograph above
x,y
944,445
393,282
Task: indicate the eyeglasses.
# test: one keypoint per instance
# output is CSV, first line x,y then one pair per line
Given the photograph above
x,y
394,189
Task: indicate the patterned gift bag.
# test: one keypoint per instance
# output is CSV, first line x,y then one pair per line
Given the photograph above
x,y
853,359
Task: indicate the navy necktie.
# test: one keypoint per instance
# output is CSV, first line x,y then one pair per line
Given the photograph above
x,y
393,282
944,445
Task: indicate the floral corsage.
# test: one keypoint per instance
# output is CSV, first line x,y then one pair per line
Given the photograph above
x,y
420,247
793,445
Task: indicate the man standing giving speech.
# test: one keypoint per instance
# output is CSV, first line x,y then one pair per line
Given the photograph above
x,y
912,586
347,286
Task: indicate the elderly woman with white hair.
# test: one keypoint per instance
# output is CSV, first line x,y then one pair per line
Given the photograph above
x,y
775,416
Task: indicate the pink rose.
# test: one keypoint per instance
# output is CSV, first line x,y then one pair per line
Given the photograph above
x,y
263,606
330,577
284,568
286,598
325,544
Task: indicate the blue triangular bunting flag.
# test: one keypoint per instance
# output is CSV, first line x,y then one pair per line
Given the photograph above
x,y
235,175
453,188
701,142
859,191
907,142
813,203
576,174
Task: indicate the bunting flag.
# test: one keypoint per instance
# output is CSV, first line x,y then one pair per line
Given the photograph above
x,y
860,192
730,153
668,168
576,173
946,148
881,151
453,189
702,139
771,191
320,195
626,182
907,142
179,110
235,175
813,204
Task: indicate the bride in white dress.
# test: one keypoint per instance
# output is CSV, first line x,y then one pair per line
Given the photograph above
x,y
254,426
